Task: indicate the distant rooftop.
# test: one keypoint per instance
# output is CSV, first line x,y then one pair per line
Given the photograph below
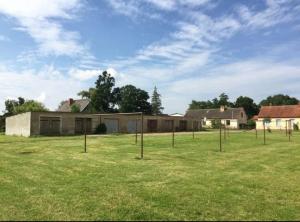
x,y
221,113
66,105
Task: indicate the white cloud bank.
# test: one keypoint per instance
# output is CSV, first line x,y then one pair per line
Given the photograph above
x,y
40,19
47,85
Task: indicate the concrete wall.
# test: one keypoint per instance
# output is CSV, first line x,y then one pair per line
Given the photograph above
x,y
18,125
28,124
161,124
277,125
67,121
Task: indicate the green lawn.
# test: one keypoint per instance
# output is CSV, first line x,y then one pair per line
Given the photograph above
x,y
50,178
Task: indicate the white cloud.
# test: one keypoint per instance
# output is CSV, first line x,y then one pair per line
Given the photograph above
x,y
47,85
86,74
256,78
41,98
40,19
275,12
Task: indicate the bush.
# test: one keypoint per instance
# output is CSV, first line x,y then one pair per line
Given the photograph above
x,y
251,124
215,124
101,129
295,127
269,130
2,124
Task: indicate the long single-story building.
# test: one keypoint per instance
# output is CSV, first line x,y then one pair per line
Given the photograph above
x,y
231,117
68,123
278,117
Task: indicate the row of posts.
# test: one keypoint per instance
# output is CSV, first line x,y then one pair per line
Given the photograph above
x,y
226,133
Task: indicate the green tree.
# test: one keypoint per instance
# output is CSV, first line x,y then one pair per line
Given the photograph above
x,y
278,100
223,100
102,96
87,94
201,105
248,104
132,99
30,106
156,102
75,108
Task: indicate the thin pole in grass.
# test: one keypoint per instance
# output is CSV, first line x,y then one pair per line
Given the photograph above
x,y
173,133
224,130
264,132
220,136
136,131
85,135
286,130
142,135
290,123
193,129
255,132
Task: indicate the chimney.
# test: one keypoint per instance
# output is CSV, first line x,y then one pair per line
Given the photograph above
x,y
71,101
222,108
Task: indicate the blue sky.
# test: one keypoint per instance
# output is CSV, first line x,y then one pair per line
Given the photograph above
x,y
189,49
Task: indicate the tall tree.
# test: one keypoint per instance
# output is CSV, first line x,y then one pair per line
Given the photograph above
x,y
102,96
132,99
223,100
248,104
156,102
21,105
279,99
201,105
86,94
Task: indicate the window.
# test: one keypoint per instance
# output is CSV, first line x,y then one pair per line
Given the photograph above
x,y
278,122
227,122
242,114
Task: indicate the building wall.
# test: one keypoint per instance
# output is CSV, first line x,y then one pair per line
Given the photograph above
x,y
67,121
277,123
29,124
161,122
234,123
18,125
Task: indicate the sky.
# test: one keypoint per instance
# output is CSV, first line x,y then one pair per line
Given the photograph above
x,y
189,49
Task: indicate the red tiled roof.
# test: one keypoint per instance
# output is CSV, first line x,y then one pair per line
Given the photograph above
x,y
255,117
287,111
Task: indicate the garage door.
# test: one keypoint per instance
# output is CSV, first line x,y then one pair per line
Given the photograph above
x,y
132,125
152,125
182,125
80,125
112,125
49,125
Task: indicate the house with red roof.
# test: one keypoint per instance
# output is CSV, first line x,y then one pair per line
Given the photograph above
x,y
278,117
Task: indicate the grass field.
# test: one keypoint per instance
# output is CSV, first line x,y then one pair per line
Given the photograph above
x,y
50,178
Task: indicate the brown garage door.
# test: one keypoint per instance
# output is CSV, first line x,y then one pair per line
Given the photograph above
x,y
80,125
182,125
152,125
49,125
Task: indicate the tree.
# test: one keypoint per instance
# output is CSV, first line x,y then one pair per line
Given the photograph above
x,y
75,108
132,99
248,104
156,102
87,94
223,100
13,107
215,103
102,97
31,106
201,105
278,100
